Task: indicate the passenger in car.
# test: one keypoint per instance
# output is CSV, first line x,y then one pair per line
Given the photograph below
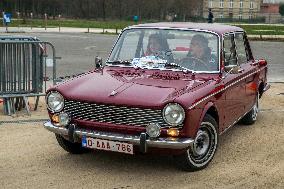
x,y
199,57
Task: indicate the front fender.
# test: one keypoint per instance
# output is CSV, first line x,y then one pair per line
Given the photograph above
x,y
195,117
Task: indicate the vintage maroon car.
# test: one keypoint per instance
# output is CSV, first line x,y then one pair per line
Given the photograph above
x,y
166,87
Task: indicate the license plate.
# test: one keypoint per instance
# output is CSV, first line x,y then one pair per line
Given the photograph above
x,y
107,145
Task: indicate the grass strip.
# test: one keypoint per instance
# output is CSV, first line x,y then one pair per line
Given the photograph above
x,y
71,23
251,29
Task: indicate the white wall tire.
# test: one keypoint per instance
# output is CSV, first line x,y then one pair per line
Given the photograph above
x,y
204,147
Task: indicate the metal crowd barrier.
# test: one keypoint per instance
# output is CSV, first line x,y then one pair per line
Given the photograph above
x,y
24,71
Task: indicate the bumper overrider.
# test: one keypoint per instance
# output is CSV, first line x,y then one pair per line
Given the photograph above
x,y
143,141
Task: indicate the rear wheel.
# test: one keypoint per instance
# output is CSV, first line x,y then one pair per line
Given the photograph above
x,y
203,148
251,116
73,148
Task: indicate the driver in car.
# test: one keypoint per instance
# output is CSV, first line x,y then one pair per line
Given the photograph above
x,y
199,57
156,44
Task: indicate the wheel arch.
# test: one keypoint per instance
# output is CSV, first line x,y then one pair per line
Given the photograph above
x,y
211,110
261,89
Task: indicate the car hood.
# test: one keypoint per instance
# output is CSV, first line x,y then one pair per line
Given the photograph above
x,y
119,86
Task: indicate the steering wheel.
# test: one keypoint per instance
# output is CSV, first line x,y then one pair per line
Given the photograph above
x,y
193,63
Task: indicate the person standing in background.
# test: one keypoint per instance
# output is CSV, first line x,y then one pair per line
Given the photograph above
x,y
210,16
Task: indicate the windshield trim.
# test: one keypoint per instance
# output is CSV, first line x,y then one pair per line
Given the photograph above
x,y
163,69
168,28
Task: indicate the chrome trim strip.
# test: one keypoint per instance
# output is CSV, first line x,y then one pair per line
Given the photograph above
x,y
161,142
164,69
226,87
171,28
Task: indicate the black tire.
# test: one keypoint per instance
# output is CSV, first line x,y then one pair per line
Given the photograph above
x,y
251,116
73,148
203,149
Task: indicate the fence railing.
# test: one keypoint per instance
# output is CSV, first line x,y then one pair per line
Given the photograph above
x,y
23,71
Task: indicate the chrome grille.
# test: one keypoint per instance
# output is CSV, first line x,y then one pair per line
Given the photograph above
x,y
114,114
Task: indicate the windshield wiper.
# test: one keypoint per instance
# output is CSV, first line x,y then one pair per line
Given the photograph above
x,y
175,65
119,62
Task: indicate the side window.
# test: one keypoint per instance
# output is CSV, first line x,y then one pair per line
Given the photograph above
x,y
229,50
241,49
248,49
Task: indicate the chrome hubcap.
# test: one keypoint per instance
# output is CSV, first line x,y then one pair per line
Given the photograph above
x,y
201,143
204,145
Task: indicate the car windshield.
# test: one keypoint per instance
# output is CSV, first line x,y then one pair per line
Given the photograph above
x,y
167,49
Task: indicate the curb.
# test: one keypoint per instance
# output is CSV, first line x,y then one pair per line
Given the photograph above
x,y
266,37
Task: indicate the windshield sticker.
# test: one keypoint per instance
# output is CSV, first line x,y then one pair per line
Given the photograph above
x,y
149,62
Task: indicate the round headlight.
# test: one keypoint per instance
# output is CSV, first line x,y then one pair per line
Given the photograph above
x,y
173,114
55,101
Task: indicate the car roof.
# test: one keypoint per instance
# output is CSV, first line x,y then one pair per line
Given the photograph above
x,y
217,28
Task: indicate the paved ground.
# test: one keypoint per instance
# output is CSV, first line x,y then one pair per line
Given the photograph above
x,y
273,53
247,157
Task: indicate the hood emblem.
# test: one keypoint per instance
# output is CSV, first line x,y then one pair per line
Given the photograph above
x,y
113,93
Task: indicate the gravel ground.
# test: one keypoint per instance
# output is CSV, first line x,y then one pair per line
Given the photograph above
x,y
247,157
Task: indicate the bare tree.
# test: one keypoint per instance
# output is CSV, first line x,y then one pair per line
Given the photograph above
x,y
105,9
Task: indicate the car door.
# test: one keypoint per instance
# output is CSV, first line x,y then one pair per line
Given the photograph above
x,y
234,84
245,60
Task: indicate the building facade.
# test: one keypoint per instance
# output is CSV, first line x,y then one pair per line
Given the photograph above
x,y
271,12
234,9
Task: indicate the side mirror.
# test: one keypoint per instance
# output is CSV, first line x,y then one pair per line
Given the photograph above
x,y
233,69
260,62
98,62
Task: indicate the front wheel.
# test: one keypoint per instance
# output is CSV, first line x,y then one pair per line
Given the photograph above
x,y
203,148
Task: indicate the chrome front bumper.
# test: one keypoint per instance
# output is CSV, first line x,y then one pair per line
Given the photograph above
x,y
142,140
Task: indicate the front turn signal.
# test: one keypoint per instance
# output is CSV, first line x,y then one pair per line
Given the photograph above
x,y
55,118
173,132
